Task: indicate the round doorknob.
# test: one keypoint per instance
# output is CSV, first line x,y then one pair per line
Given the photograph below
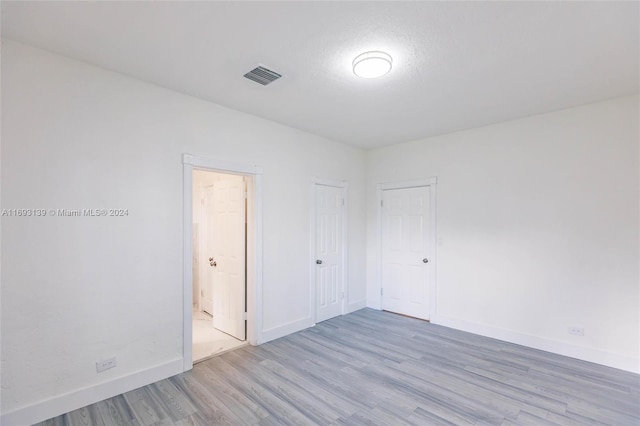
x,y
425,260
211,259
319,262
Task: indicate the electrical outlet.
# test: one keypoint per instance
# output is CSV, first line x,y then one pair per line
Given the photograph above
x,y
576,331
106,364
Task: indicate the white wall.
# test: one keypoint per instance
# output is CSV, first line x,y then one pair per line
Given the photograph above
x,y
537,228
78,289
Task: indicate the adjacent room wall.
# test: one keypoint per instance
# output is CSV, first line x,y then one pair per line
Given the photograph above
x,y
77,289
537,228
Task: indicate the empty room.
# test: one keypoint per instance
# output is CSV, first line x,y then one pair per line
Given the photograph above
x,y
320,213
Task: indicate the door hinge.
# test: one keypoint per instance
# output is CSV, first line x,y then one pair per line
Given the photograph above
x,y
244,316
244,194
381,291
342,295
343,201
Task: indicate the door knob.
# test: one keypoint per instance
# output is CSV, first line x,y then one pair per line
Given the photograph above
x,y
211,259
425,260
212,262
319,262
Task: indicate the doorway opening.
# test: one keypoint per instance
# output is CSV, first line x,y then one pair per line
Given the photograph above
x,y
219,263
222,263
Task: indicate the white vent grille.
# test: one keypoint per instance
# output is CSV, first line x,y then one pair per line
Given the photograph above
x,y
262,75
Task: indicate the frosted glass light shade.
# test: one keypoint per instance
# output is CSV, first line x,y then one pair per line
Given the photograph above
x,y
372,64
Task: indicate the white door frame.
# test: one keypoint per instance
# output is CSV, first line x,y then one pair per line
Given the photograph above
x,y
254,247
344,185
431,182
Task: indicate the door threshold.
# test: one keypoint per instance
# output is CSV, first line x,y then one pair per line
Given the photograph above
x,y
224,351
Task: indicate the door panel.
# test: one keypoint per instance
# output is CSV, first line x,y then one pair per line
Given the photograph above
x,y
207,284
228,253
329,246
405,243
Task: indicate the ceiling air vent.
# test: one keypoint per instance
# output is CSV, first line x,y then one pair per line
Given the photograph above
x,y
262,75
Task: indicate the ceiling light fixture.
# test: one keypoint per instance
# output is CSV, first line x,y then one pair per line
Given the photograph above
x,y
372,64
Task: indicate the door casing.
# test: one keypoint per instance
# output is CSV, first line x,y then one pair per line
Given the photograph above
x,y
254,246
431,182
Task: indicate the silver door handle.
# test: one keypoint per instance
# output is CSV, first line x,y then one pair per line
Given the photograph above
x,y
425,260
319,262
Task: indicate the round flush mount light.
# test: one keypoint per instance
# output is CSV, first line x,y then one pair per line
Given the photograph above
x,y
372,64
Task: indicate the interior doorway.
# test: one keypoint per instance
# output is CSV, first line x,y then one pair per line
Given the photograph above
x,y
253,272
219,262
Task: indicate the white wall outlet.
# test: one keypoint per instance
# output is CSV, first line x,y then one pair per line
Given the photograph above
x,y
106,364
576,331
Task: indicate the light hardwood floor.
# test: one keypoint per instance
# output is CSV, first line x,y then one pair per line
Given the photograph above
x,y
377,368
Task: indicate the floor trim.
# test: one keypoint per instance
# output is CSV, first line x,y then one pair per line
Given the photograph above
x,y
65,403
284,330
355,306
561,348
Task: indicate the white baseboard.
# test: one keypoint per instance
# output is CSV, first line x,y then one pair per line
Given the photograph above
x,y
374,304
284,330
61,404
561,348
355,306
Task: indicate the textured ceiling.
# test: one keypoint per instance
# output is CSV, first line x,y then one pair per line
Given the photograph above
x,y
457,65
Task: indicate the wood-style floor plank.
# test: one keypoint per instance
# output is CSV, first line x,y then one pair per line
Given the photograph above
x,y
377,368
116,412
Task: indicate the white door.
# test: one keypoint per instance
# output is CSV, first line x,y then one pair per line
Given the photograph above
x,y
405,251
206,289
228,255
329,249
